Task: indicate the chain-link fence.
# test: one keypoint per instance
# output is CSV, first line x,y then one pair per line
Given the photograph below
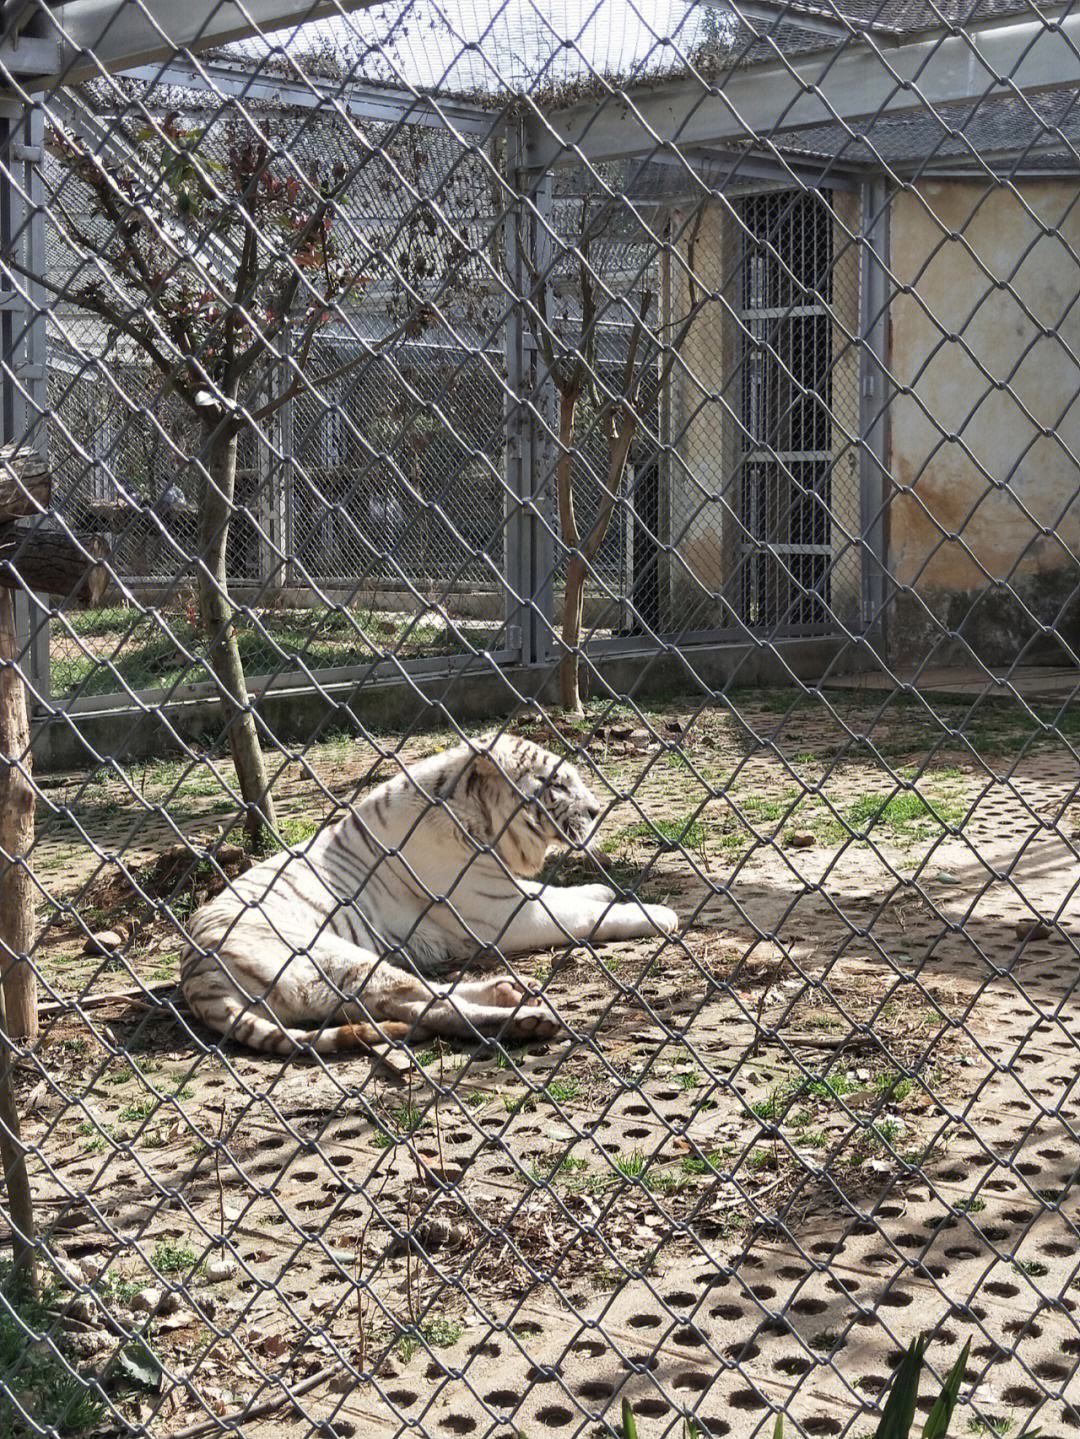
x,y
538,815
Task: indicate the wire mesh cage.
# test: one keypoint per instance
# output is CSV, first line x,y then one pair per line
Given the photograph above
x,y
538,813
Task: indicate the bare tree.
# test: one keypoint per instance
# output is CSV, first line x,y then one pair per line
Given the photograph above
x,y
208,248
571,361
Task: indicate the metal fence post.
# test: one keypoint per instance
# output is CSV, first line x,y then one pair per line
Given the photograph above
x,y
24,348
528,447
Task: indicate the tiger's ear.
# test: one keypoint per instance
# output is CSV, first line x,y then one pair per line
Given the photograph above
x,y
492,755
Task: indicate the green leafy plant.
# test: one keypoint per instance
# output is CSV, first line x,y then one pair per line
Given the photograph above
x,y
897,1417
34,1378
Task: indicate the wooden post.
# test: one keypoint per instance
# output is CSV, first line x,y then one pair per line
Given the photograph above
x,y
25,489
18,991
16,835
20,1199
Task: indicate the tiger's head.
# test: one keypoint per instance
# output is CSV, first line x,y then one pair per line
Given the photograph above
x,y
523,800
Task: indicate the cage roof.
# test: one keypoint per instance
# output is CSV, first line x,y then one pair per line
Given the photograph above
x,y
498,49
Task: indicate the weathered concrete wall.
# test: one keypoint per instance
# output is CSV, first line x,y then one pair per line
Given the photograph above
x,y
702,455
975,480
703,499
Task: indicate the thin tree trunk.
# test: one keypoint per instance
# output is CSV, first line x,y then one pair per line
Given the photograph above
x,y
574,589
16,836
573,609
582,560
223,650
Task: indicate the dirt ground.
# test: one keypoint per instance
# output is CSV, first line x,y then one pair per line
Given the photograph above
x,y
838,1109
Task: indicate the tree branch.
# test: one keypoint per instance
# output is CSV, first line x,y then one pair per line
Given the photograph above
x,y
302,383
118,320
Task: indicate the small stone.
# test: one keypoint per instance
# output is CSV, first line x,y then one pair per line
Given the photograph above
x,y
642,738
147,1301
218,1270
70,1271
801,839
82,1309
170,1302
1032,929
944,876
182,1319
106,941
860,1098
86,1346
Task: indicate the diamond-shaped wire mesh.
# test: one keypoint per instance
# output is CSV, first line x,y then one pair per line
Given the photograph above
x,y
538,551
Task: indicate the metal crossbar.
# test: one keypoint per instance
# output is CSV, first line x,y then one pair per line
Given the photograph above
x,y
539,807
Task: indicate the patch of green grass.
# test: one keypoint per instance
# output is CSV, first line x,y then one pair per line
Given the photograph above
x,y
688,1079
694,1165
116,1289
971,1206
759,1160
149,655
630,1166
665,1181
519,1104
1033,1268
172,1258
442,1332
685,833
60,1401
561,1091
97,1135
778,1101
295,833
884,1134
999,1424
760,808
139,1109
893,1086
407,1346
906,812
833,1086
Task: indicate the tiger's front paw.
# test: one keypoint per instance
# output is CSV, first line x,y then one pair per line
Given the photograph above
x,y
663,919
637,921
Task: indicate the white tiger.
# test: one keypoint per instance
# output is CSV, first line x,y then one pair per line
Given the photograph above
x,y
430,867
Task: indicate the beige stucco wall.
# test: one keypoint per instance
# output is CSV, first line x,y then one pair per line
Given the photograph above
x,y
702,496
967,459
701,455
